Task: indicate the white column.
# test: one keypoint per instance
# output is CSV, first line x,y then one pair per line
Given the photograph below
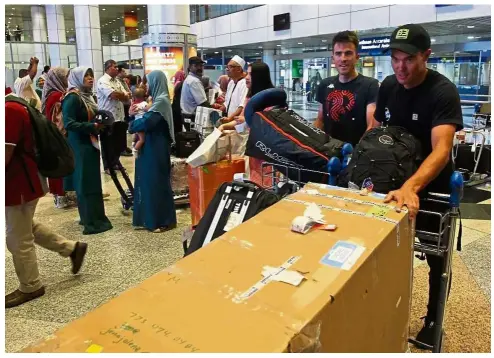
x,y
267,58
39,34
169,25
56,33
168,19
88,38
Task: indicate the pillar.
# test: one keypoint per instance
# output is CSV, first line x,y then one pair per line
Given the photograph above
x,y
169,43
38,20
56,34
268,59
88,38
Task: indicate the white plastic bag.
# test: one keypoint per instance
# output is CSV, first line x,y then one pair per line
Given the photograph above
x,y
206,152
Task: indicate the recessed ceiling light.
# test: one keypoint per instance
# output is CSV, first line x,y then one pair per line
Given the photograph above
x,y
103,9
229,50
433,40
470,37
300,43
278,45
470,26
478,37
324,40
132,11
216,52
11,14
13,8
138,8
257,53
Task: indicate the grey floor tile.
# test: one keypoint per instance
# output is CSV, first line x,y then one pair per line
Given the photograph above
x,y
479,225
477,257
67,297
21,332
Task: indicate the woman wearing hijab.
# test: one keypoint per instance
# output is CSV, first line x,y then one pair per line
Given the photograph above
x,y
40,82
154,208
53,91
223,82
177,94
78,109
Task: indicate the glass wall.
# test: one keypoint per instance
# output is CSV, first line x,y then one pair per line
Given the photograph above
x,y
129,56
205,12
17,56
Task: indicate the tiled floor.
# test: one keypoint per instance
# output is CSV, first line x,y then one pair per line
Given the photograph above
x,y
122,258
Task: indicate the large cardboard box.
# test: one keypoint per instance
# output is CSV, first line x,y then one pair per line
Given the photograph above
x,y
355,298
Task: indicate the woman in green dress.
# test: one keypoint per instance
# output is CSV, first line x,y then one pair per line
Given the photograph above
x,y
78,110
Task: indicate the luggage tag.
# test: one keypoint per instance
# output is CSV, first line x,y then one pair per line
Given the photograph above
x,y
312,216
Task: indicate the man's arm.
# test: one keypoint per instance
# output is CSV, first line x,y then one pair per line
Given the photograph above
x,y
120,96
371,121
233,115
442,143
33,67
319,123
371,104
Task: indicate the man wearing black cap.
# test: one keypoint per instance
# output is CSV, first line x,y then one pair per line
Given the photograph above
x,y
427,104
193,93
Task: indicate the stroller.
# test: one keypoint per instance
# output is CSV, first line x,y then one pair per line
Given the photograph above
x,y
113,142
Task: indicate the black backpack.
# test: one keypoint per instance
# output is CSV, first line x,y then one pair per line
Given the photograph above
x,y
389,156
53,154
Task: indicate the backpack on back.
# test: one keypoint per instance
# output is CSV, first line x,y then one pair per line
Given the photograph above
x,y
53,154
389,156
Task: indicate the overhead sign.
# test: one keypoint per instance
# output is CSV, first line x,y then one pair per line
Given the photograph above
x,y
373,46
166,59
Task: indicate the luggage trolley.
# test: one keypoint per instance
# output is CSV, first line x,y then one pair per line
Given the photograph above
x,y
435,232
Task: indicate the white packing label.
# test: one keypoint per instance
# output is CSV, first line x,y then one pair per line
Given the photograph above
x,y
343,255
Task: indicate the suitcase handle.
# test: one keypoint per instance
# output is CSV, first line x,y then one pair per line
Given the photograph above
x,y
246,184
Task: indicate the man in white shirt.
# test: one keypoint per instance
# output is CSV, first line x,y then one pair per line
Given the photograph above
x,y
23,85
237,89
112,95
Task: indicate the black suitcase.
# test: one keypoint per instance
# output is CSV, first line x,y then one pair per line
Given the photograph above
x,y
186,143
233,203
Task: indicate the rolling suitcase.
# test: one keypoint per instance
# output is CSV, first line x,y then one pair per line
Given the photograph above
x,y
186,143
233,203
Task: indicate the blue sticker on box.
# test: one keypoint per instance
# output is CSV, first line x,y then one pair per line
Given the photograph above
x,y
343,255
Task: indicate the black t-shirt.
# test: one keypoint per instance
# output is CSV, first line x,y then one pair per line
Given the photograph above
x,y
345,106
434,102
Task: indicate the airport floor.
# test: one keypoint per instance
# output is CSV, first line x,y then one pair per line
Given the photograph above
x,y
122,258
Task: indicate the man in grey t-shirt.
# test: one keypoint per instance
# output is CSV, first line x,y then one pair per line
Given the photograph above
x,y
193,93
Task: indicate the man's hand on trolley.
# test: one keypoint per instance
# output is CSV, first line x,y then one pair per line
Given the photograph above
x,y
405,196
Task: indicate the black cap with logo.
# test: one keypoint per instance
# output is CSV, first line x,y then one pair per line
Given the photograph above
x,y
411,39
195,60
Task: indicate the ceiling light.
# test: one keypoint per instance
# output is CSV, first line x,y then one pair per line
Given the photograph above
x,y
324,40
470,26
433,40
132,11
470,37
300,43
278,45
11,14
478,37
216,52
13,8
229,50
103,9
138,8
257,53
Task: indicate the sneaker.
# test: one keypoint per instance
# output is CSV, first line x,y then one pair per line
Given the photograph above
x,y
77,256
425,338
17,297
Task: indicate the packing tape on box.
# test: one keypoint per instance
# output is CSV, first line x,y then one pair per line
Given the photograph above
x,y
352,212
350,200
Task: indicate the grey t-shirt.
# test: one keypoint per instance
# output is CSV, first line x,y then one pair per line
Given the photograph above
x,y
193,94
